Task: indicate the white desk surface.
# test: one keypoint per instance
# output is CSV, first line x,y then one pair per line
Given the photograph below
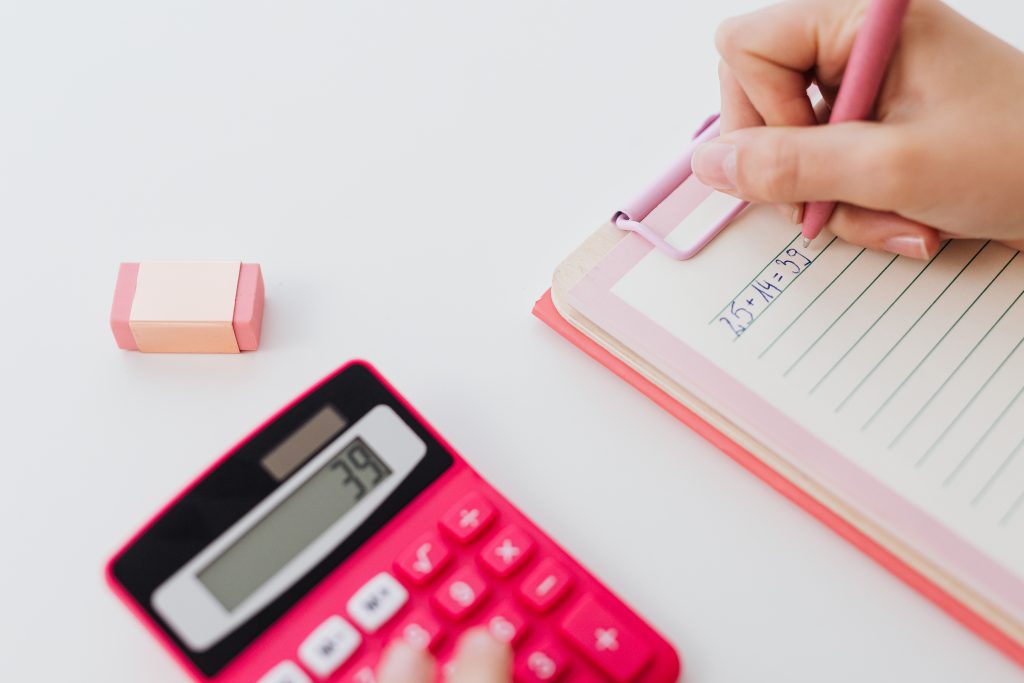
x,y
408,174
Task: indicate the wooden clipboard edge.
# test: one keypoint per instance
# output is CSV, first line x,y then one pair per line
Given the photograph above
x,y
952,596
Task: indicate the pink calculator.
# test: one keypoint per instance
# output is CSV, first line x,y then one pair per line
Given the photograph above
x,y
344,522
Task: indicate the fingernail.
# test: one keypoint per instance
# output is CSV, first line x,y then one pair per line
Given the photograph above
x,y
402,661
792,212
715,165
479,641
911,246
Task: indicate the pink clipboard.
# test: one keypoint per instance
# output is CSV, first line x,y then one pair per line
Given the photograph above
x,y
632,215
679,192
545,310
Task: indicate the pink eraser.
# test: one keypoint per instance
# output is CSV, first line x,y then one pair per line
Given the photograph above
x,y
188,306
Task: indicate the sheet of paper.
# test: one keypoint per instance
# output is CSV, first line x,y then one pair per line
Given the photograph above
x,y
911,369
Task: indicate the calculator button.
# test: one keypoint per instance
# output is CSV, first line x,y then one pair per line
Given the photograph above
x,y
377,601
507,551
468,518
545,585
329,646
586,677
364,672
421,561
461,593
543,663
421,630
605,641
506,622
285,672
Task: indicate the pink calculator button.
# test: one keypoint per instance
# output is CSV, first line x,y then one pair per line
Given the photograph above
x,y
461,593
468,518
545,585
542,663
506,622
421,630
421,561
604,640
507,551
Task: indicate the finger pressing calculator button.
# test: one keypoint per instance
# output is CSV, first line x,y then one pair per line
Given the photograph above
x,y
468,518
364,671
603,639
421,561
329,646
421,630
461,593
506,623
377,601
545,585
544,663
285,672
507,551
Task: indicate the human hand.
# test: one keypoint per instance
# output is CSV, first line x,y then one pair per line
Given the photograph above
x,y
479,659
943,157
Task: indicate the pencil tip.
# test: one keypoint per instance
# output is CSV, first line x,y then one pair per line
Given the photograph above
x,y
807,242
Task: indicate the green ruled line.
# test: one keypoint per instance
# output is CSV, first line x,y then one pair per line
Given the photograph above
x,y
818,296
877,320
899,341
974,449
946,381
999,470
795,277
781,251
1016,504
844,312
932,350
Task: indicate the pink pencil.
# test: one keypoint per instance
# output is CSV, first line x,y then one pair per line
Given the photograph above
x,y
865,70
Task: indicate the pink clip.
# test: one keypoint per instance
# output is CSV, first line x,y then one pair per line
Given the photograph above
x,y
631,218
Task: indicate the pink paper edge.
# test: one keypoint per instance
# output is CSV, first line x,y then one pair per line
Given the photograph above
x,y
121,310
545,310
248,316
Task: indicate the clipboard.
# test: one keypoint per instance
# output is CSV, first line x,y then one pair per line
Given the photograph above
x,y
973,610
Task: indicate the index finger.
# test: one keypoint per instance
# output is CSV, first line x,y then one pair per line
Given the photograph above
x,y
481,659
775,52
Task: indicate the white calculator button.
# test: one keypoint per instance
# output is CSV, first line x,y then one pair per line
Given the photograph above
x,y
329,646
377,601
285,672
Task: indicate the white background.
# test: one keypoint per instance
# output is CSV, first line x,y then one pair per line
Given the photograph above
x,y
408,174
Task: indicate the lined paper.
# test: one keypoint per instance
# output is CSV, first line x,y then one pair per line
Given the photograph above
x,y
912,369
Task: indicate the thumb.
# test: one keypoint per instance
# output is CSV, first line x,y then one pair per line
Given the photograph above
x,y
858,163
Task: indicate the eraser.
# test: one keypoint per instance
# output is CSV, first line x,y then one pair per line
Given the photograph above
x,y
188,306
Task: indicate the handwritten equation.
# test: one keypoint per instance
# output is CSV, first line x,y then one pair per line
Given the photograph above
x,y
754,299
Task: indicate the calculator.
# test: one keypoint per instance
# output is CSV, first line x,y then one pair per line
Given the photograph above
x,y
346,521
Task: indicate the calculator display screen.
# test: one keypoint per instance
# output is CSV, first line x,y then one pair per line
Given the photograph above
x,y
297,521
